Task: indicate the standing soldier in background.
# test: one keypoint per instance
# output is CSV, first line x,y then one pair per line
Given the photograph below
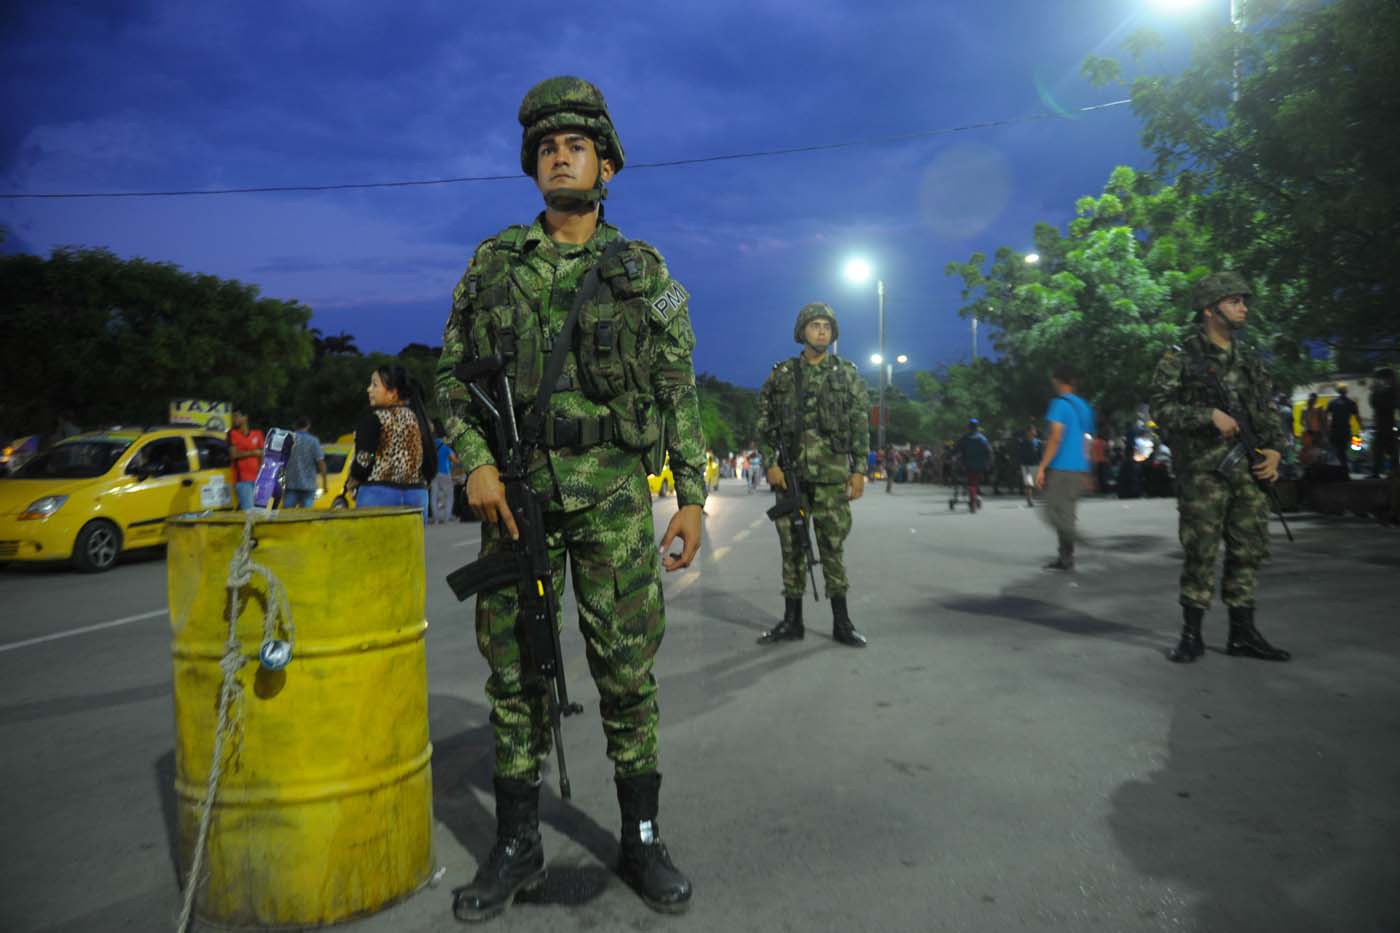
x,y
1218,497
816,405
627,377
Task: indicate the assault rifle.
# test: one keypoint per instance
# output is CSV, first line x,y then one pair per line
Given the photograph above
x,y
1247,447
792,505
526,561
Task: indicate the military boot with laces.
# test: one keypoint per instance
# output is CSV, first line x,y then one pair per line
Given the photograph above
x,y
1190,647
790,629
516,862
842,628
643,861
1245,640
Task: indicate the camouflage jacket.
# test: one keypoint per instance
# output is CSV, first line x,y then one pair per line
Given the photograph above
x,y
1182,400
514,298
831,434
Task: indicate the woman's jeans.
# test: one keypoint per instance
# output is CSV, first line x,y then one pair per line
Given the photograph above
x,y
374,495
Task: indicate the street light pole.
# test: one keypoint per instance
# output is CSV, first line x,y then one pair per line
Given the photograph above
x,y
880,291
974,338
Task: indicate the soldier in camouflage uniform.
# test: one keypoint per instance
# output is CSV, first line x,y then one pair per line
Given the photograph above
x,y
628,373
818,407
1215,502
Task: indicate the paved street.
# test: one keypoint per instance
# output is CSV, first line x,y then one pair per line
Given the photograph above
x,y
1011,752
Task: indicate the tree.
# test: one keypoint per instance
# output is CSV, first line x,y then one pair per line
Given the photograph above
x,y
1298,177
98,339
728,414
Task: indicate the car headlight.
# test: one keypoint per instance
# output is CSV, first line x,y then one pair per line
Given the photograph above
x,y
43,508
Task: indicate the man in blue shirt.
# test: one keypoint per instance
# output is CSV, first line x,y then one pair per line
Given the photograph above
x,y
304,463
1064,465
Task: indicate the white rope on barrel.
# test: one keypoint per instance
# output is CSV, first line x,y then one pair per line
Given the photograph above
x,y
241,570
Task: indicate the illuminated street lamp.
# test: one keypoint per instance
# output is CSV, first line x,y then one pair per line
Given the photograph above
x,y
858,272
1032,258
886,377
1236,23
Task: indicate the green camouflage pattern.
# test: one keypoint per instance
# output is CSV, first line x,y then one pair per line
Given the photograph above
x,y
523,280
1211,288
1182,402
616,581
829,512
812,312
835,421
566,102
1211,506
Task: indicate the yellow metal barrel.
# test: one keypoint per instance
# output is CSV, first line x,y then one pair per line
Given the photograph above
x,y
324,802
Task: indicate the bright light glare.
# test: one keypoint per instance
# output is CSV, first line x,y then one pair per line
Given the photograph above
x,y
1032,258
1176,6
857,271
901,359
876,359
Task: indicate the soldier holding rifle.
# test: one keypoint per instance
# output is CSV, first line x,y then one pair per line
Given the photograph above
x,y
623,390
1212,394
816,407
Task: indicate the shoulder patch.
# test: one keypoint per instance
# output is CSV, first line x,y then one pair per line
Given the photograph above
x,y
671,300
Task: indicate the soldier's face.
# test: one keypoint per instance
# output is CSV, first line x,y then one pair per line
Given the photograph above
x,y
1231,311
817,334
569,160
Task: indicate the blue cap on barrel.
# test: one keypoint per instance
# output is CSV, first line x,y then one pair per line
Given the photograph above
x,y
275,654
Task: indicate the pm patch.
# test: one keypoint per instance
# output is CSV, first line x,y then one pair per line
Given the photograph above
x,y
669,302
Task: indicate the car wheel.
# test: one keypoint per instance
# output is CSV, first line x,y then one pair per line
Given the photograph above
x,y
97,546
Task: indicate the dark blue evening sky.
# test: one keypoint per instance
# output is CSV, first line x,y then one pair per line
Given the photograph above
x,y
124,96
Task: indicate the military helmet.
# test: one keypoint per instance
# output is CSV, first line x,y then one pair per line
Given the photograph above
x,y
566,102
812,312
1217,285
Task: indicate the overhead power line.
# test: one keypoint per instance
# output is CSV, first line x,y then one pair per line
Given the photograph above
x,y
668,163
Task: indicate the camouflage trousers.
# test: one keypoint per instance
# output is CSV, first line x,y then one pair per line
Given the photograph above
x,y
615,570
1212,507
829,512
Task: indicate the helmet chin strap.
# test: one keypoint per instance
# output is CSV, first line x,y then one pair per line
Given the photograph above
x,y
577,200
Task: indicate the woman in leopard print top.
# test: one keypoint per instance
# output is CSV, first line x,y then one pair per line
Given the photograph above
x,y
393,445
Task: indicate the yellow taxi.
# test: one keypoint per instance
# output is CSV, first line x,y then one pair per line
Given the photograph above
x,y
338,458
91,497
662,483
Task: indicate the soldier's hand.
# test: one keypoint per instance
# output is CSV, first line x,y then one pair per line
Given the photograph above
x,y
685,524
775,478
1267,469
855,486
1226,425
486,494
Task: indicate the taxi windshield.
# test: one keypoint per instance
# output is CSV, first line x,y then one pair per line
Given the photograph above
x,y
75,459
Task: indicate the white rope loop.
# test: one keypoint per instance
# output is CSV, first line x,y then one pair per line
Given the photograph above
x,y
241,570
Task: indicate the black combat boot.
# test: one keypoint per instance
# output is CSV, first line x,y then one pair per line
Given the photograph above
x,y
842,629
643,861
790,629
516,862
1191,646
1245,640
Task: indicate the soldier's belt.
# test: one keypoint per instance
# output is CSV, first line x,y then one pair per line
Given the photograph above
x,y
556,432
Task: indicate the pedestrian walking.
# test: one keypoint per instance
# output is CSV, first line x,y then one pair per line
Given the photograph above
x,y
814,405
627,371
974,451
440,490
1341,412
1028,450
1064,463
306,468
1218,492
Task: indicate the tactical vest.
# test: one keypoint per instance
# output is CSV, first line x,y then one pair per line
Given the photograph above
x,y
832,420
613,348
